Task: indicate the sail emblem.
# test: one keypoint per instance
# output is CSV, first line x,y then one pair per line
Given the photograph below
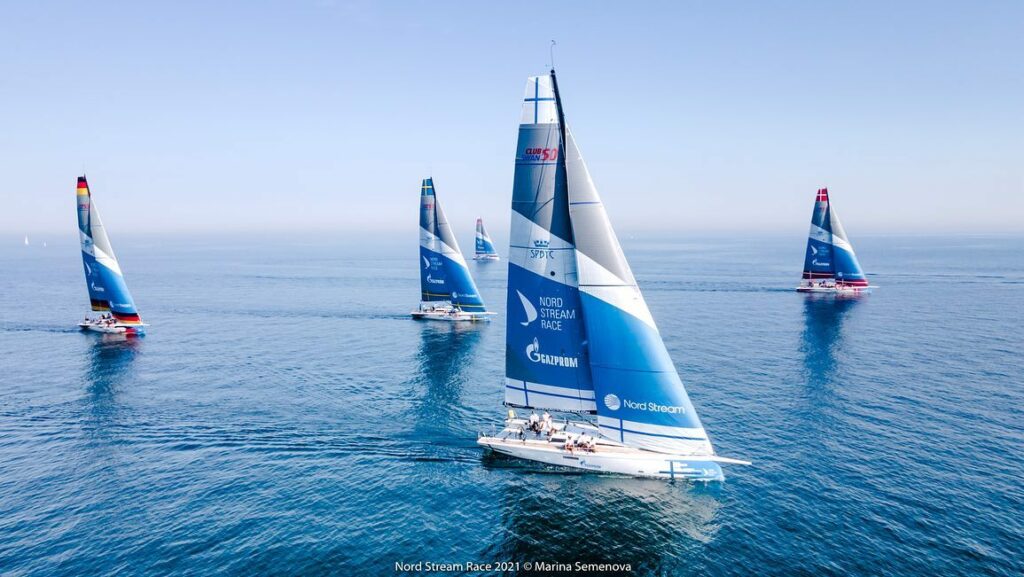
x,y
814,251
612,402
426,263
528,308
533,353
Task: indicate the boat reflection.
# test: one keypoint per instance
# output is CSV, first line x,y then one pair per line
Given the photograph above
x,y
445,355
111,360
821,343
657,527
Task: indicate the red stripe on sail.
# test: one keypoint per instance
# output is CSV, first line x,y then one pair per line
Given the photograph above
x,y
128,317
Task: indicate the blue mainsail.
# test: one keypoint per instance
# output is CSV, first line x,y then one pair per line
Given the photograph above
x,y
546,362
103,277
444,275
829,252
484,245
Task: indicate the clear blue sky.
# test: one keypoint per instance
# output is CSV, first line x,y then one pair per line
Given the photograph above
x,y
325,115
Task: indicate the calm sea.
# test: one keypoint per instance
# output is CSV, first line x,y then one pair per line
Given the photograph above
x,y
283,416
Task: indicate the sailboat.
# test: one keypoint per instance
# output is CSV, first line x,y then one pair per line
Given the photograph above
x,y
26,240
830,265
580,338
447,289
107,289
484,246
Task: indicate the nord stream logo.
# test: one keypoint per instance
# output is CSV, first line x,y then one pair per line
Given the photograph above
x,y
533,353
612,402
651,406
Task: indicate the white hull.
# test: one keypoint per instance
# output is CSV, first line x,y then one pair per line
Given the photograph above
x,y
450,315
608,457
834,290
111,329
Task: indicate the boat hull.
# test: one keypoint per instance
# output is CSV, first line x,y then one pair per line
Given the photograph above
x,y
448,316
111,329
610,460
834,290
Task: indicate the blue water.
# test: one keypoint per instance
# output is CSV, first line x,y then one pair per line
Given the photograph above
x,y
283,416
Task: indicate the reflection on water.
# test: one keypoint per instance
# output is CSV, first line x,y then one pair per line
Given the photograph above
x,y
651,524
823,335
110,365
445,354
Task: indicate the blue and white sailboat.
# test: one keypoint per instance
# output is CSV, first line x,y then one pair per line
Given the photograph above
x,y
103,277
580,337
830,265
447,289
484,245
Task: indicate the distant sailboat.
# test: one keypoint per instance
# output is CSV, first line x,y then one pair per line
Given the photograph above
x,y
579,335
26,240
830,265
103,278
484,246
447,289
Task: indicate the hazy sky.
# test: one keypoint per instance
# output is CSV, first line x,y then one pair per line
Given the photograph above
x,y
324,115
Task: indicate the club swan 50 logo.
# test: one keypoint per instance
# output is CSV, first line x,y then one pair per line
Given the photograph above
x,y
533,353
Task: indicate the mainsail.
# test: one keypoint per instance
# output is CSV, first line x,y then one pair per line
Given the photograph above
x,y
103,277
484,245
546,363
829,252
444,275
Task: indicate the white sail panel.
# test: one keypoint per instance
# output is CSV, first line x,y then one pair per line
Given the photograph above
x,y
641,400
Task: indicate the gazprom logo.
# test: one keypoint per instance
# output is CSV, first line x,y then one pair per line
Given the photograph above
x,y
612,402
533,353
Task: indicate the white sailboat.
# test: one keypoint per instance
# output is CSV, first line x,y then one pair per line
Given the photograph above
x,y
484,245
103,277
447,290
580,338
830,265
